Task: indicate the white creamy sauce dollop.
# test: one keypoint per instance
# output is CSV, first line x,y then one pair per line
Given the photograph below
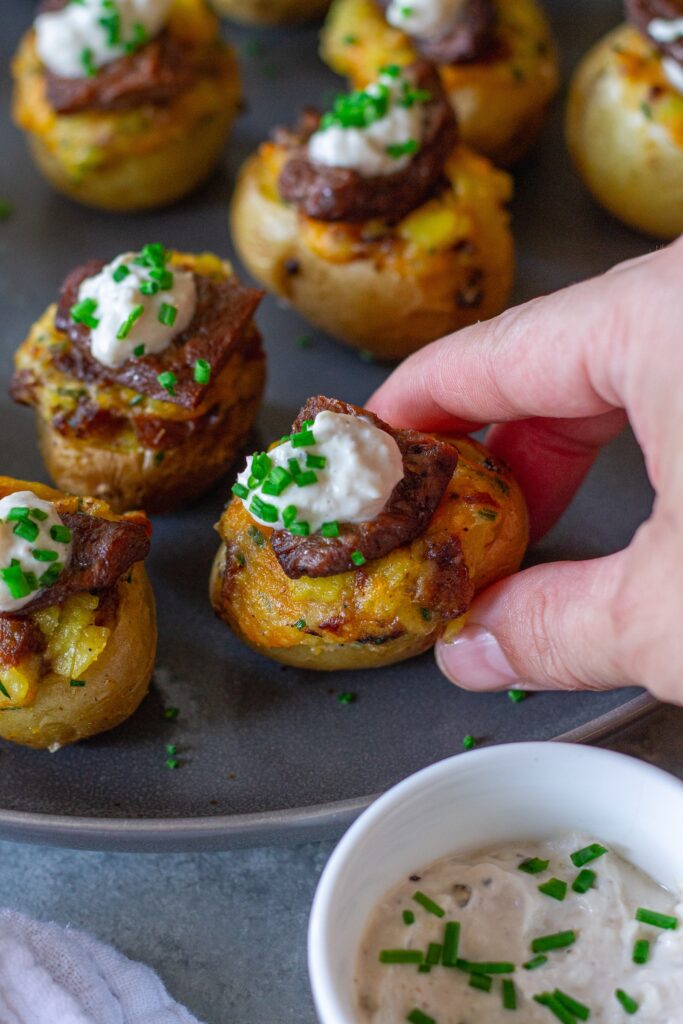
x,y
87,34
150,327
674,72
362,465
663,30
33,541
424,18
501,911
376,148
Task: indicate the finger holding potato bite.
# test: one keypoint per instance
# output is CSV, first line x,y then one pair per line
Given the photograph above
x,y
77,615
353,545
374,222
126,103
145,377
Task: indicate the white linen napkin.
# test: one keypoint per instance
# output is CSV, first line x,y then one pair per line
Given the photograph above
x,y
54,975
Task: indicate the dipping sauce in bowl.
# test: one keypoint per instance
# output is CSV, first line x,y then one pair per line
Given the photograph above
x,y
557,930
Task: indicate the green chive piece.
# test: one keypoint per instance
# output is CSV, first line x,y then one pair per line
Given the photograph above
x,y
83,313
408,915
401,956
555,1007
5,209
44,555
533,866
289,514
172,763
87,62
261,465
277,481
301,529
127,325
51,575
358,558
170,714
61,534
426,614
485,967
509,995
305,479
538,961
167,314
26,530
480,981
303,439
256,535
429,905
171,748
168,381
37,513
433,953
150,288
574,1007
653,918
121,273
587,854
77,682
305,341
559,940
300,624
584,881
555,888
202,371
349,698
641,951
628,1002
240,490
451,941
163,277
5,692
139,350
159,458
517,696
263,510
424,969
16,582
330,529
399,149
17,513
138,400
315,461
469,742
418,1017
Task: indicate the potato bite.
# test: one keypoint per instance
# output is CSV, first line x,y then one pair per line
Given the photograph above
x,y
352,545
271,12
145,378
126,108
374,222
625,119
496,58
77,616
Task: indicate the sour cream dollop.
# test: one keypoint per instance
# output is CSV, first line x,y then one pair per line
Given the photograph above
x,y
126,320
424,18
35,548
346,471
383,146
85,35
664,30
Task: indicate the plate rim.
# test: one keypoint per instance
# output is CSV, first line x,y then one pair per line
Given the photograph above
x,y
226,831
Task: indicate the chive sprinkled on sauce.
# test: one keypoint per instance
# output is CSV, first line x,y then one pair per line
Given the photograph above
x,y
428,904
641,951
408,915
481,982
485,967
433,953
538,961
548,1000
127,325
401,956
555,888
628,1002
330,529
202,371
418,1017
652,917
451,941
558,940
587,854
28,530
533,866
167,314
469,742
576,1008
60,534
509,995
584,881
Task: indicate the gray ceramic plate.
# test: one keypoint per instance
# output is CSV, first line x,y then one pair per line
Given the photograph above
x,y
268,752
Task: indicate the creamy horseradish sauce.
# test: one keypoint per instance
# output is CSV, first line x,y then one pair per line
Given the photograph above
x,y
664,30
537,933
424,18
135,306
375,131
87,34
35,548
338,468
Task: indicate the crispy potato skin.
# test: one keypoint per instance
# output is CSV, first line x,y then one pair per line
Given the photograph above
x,y
125,161
117,468
117,680
371,617
501,101
625,133
271,12
384,289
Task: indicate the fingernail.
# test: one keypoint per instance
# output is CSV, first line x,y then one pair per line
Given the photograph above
x,y
475,660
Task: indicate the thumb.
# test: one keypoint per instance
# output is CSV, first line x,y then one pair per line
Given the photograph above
x,y
550,627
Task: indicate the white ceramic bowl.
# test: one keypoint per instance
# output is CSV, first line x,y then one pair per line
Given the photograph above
x,y
524,791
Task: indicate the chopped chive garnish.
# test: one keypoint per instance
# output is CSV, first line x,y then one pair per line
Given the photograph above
x,y
401,956
555,1007
574,1007
202,371
555,888
627,1001
5,209
152,255
168,381
641,951
587,854
150,288
83,312
481,982
37,513
167,315
44,555
330,529
300,624
17,513
159,458
426,614
139,350
172,763
263,510
170,714
51,575
433,953
584,881
418,1017
61,534
127,325
533,866
87,62
240,490
305,479
301,529
163,277
517,696
294,467
349,698
315,461
509,995
171,748
408,915
399,149
121,272
358,558
469,742
261,465
303,439
26,530
256,535
559,940
277,481
485,967
138,400
424,969
16,581
289,514
532,965
77,682
653,918
451,941
429,905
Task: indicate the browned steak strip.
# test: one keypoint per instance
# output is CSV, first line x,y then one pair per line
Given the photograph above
x,y
342,194
18,640
428,467
642,12
469,38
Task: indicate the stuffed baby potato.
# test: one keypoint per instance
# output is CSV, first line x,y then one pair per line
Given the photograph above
x,y
496,59
145,378
77,618
271,12
126,104
374,223
625,119
352,545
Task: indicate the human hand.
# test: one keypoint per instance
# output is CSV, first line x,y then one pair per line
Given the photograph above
x,y
559,377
